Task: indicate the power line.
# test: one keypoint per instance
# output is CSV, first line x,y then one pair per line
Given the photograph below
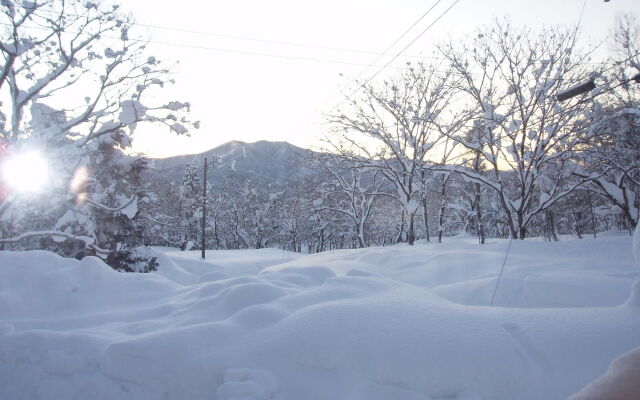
x,y
584,5
396,55
412,42
495,290
406,32
575,32
385,51
259,40
257,54
222,50
399,53
618,63
269,41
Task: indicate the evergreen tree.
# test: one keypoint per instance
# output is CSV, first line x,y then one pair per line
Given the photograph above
x,y
190,207
91,201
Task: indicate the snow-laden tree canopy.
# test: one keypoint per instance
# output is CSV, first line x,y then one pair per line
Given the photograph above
x,y
396,127
75,83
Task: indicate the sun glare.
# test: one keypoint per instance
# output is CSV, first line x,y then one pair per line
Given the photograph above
x,y
26,172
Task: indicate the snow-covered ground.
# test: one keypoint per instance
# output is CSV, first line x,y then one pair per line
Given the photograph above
x,y
393,323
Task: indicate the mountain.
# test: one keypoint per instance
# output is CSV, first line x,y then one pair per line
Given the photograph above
x,y
263,162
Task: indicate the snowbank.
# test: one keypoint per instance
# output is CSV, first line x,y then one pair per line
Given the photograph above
x,y
620,382
570,273
372,324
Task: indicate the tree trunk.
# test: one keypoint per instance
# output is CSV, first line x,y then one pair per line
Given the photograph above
x,y
550,227
440,227
411,235
479,215
593,215
215,232
576,223
522,231
185,239
443,193
321,247
425,216
399,237
294,241
360,241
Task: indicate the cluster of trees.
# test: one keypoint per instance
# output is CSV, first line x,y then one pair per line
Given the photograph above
x,y
476,141
346,207
487,113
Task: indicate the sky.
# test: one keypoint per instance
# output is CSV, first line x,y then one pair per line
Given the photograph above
x,y
271,70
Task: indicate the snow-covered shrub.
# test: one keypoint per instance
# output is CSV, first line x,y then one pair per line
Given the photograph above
x,y
132,260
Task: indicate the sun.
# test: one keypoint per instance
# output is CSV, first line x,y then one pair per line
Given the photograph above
x,y
26,172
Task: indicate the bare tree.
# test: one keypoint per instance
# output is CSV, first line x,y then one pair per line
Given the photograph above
x,y
611,155
352,190
511,78
257,218
395,128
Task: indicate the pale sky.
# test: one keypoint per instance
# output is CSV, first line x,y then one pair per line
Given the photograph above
x,y
279,92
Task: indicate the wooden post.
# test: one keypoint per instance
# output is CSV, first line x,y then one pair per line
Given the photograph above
x,y
204,206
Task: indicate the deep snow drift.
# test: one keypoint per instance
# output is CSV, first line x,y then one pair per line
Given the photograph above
x,y
395,323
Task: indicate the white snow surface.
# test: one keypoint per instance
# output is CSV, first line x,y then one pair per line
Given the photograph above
x,y
393,323
620,382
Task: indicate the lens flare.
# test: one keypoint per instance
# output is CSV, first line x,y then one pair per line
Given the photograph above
x,y
26,172
78,184
79,180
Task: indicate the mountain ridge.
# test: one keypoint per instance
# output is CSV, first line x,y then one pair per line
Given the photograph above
x,y
264,162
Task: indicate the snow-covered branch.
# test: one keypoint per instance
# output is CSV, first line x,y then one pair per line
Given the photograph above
x,y
56,236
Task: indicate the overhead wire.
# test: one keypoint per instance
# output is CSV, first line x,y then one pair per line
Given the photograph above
x,y
380,56
386,65
266,41
410,43
272,41
504,262
575,32
231,51
392,45
269,41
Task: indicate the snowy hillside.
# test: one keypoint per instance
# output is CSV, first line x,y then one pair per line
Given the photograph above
x,y
401,323
263,161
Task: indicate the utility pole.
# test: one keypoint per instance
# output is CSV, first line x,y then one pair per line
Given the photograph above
x,y
204,205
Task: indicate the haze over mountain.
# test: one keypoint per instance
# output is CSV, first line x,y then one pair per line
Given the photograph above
x,y
263,162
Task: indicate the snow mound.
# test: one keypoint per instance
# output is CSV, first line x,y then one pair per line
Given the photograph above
x,y
634,298
570,273
41,284
247,384
621,381
402,323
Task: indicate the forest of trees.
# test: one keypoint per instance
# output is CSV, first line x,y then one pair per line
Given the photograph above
x,y
473,142
477,144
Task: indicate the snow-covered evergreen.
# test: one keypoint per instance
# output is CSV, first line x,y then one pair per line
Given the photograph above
x,y
75,89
